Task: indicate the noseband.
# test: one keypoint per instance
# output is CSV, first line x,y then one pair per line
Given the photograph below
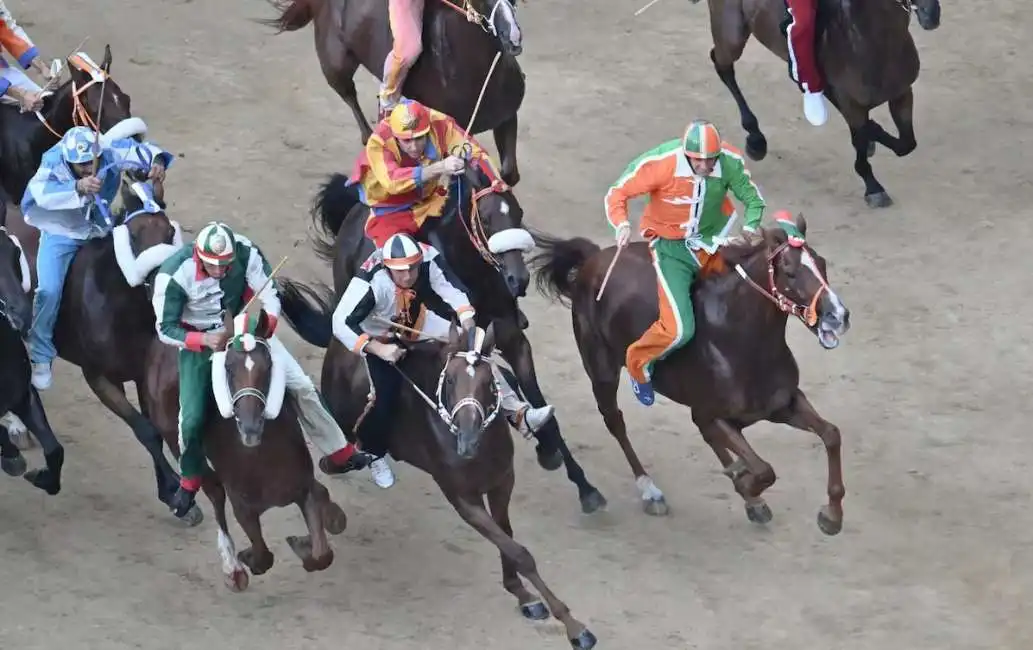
x,y
249,391
448,417
808,314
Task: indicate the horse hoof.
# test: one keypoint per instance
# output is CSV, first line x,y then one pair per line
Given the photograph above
x,y
237,581
756,146
878,200
44,480
656,507
592,502
14,466
258,565
827,524
334,519
549,463
759,513
193,517
534,611
584,641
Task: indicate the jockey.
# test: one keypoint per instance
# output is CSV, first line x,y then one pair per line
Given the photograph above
x,y
14,84
67,199
803,61
396,290
687,218
192,291
406,20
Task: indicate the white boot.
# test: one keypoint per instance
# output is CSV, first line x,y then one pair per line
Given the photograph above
x,y
524,417
814,108
41,376
381,472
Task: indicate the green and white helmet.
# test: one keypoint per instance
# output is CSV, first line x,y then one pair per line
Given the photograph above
x,y
215,244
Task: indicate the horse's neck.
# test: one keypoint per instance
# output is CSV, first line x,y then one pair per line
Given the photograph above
x,y
728,301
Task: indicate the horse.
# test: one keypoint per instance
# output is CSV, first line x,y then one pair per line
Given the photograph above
x,y
736,371
448,76
447,425
16,391
106,322
255,446
482,238
25,137
864,50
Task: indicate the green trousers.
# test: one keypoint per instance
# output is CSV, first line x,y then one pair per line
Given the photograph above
x,y
195,388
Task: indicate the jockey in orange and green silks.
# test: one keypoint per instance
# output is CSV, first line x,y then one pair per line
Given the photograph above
x,y
687,218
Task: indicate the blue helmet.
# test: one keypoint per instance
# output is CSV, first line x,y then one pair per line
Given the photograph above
x,y
77,145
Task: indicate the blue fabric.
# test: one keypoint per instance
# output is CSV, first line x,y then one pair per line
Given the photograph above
x,y
55,256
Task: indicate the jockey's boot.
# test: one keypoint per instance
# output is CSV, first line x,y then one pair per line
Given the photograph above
x,y
643,392
529,419
814,108
381,473
41,376
345,460
182,501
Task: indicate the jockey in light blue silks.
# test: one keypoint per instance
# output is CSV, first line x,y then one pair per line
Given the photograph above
x,y
69,205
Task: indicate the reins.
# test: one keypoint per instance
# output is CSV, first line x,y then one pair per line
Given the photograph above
x,y
808,314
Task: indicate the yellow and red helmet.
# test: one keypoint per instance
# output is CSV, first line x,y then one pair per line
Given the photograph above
x,y
409,120
701,140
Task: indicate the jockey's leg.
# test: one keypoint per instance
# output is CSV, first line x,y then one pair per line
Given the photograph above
x,y
339,455
521,415
13,77
406,18
195,388
376,425
803,61
380,227
676,268
56,253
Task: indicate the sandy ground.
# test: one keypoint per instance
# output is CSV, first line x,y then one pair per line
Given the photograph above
x,y
927,388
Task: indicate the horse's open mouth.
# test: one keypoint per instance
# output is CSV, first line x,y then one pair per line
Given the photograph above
x,y
828,338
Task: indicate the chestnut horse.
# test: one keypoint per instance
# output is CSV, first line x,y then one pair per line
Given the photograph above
x,y
864,50
447,76
736,371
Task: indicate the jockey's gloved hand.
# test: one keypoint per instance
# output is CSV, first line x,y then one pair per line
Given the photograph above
x,y
623,234
389,352
454,165
87,185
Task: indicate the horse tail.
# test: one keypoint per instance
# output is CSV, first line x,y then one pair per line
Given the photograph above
x,y
333,202
309,312
294,14
556,266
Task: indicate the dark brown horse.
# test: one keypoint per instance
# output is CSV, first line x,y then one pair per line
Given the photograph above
x,y
16,391
447,425
736,371
865,52
478,243
447,76
256,447
105,326
24,137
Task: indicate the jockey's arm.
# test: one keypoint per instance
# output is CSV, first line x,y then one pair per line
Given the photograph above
x,y
639,178
50,190
356,306
143,153
257,273
746,191
14,39
456,137
394,178
169,301
444,284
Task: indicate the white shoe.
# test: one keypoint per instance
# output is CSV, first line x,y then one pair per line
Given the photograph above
x,y
814,108
41,377
533,419
381,472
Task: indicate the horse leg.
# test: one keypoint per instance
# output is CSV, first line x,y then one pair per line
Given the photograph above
x,y
862,135
801,414
234,571
340,74
758,476
757,509
313,549
17,430
334,519
31,412
257,557
473,513
552,448
731,32
506,142
498,503
113,397
11,460
901,112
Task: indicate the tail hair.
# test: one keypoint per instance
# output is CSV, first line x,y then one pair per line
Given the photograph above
x,y
309,311
294,14
556,266
330,207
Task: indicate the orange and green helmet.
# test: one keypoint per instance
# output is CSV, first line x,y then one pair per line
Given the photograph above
x,y
409,120
701,140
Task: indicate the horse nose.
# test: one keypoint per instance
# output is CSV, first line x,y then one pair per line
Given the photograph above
x,y
517,284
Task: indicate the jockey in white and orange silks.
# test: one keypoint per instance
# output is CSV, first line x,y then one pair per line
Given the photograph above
x,y
15,84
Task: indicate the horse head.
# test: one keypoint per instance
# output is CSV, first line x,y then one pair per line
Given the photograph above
x,y
928,12
247,382
91,92
15,284
795,278
498,18
494,226
144,237
468,397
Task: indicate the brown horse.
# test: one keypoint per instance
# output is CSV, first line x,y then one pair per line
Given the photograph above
x,y
447,426
865,52
255,444
447,76
105,324
736,371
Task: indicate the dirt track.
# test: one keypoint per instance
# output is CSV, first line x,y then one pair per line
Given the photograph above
x,y
928,387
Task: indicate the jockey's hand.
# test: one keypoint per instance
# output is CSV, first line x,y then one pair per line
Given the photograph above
x,y
454,165
215,341
87,185
29,101
389,352
157,172
623,234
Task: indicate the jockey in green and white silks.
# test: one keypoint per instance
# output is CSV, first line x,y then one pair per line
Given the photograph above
x,y
68,201
192,291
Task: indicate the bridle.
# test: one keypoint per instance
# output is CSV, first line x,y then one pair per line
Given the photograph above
x,y
487,23
475,231
448,416
808,314
80,114
251,391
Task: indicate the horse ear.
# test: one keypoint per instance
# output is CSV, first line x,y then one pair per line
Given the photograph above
x,y
801,224
453,336
773,237
488,344
106,62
